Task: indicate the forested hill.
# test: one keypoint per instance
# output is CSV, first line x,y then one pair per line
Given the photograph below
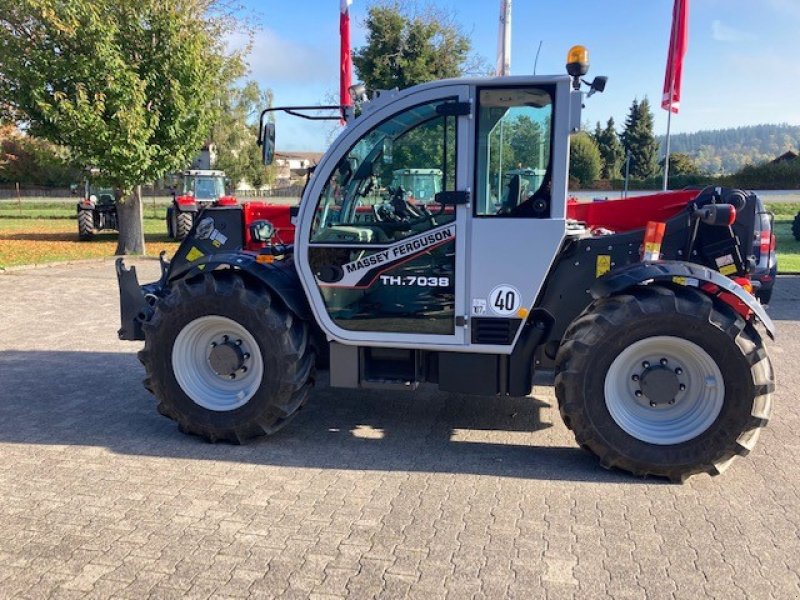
x,y
728,150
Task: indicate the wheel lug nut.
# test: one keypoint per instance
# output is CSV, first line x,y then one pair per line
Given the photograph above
x,y
243,369
225,338
645,365
635,377
682,387
232,376
653,404
238,342
213,344
246,356
678,371
672,401
638,393
664,362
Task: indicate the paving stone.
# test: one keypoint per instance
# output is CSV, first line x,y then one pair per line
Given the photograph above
x,y
365,495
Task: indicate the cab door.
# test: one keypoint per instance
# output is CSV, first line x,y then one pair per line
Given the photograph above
x,y
383,224
518,216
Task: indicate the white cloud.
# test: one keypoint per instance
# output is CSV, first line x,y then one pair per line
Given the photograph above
x,y
723,33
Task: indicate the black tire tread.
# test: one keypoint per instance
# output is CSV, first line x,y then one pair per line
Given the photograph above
x,y
289,337
183,224
85,224
796,227
576,355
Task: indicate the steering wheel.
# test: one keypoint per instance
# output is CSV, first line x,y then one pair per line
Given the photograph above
x,y
402,207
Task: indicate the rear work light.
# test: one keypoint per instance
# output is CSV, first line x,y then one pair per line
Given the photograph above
x,y
653,238
767,242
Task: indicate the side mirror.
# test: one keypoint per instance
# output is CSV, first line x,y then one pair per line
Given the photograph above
x,y
717,214
268,143
262,231
598,85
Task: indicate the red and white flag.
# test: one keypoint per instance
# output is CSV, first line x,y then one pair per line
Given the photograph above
x,y
678,43
345,64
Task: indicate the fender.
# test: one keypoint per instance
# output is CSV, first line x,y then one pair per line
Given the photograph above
x,y
280,277
681,273
185,204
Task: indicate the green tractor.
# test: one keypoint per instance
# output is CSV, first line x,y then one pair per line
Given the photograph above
x,y
419,184
97,210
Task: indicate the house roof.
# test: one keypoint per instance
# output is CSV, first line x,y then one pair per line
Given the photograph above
x,y
786,157
313,157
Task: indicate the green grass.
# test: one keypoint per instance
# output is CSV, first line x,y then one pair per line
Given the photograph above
x,y
63,209
788,247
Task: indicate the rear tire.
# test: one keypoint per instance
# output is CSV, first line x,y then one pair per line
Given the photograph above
x,y
85,224
183,224
274,350
716,415
765,296
796,227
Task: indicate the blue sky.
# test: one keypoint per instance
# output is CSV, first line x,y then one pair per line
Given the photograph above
x,y
741,68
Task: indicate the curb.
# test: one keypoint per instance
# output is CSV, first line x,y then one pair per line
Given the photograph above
x,y
63,263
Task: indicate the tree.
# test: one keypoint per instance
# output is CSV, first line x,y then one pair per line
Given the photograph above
x,y
681,164
28,160
584,159
405,47
638,139
236,132
611,152
130,88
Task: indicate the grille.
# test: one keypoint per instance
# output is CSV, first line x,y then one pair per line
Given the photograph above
x,y
497,332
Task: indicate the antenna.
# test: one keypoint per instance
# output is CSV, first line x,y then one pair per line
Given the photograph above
x,y
536,62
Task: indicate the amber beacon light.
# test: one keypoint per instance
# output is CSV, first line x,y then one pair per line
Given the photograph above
x,y
578,61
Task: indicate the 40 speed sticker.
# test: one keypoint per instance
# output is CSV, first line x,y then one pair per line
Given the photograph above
x,y
505,300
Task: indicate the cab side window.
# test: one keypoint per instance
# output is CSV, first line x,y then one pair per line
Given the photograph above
x,y
513,152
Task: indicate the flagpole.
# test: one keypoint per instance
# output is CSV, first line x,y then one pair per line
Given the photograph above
x,y
669,133
503,65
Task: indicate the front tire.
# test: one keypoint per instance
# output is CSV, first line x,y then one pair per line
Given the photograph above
x,y
226,362
85,224
660,381
796,227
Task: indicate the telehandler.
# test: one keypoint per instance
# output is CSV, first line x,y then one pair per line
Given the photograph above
x,y
641,308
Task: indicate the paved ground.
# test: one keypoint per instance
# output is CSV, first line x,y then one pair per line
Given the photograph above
x,y
364,495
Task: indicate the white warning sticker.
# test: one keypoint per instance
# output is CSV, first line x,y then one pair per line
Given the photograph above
x,y
478,307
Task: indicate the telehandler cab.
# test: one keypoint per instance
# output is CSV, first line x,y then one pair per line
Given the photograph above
x,y
660,368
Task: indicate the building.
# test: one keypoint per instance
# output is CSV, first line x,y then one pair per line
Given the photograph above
x,y
292,167
206,159
785,157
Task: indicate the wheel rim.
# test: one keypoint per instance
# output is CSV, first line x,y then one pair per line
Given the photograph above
x,y
217,363
664,390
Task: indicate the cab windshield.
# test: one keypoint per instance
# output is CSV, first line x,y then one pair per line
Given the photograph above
x,y
204,187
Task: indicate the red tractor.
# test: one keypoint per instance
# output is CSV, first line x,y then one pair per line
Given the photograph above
x,y
199,189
